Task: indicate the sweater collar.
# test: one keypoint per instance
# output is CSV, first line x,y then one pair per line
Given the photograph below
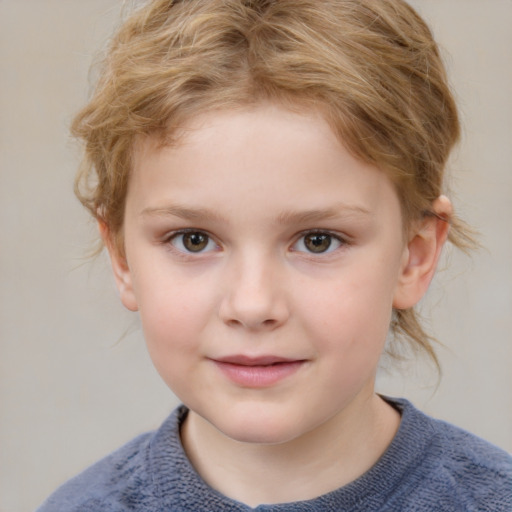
x,y
413,452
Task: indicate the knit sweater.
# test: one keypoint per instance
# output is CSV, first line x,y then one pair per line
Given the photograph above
x,y
429,466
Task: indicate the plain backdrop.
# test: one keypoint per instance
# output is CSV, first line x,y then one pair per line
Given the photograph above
x,y
75,378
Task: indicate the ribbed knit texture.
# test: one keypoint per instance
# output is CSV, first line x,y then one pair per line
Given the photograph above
x,y
429,466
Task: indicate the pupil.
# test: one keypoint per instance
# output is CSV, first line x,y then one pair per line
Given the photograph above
x,y
195,242
318,243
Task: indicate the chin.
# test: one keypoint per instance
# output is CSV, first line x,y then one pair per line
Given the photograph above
x,y
260,428
264,436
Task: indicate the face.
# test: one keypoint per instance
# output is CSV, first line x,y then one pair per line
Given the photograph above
x,y
264,260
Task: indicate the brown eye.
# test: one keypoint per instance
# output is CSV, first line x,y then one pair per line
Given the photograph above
x,y
317,242
192,242
195,242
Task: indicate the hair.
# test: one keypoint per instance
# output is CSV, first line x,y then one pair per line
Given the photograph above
x,y
371,68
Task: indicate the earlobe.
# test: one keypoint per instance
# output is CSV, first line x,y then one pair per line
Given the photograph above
x,y
421,255
122,273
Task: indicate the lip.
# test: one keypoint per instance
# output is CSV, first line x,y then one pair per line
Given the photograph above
x,y
257,372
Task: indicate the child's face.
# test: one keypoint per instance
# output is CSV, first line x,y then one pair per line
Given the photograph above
x,y
264,260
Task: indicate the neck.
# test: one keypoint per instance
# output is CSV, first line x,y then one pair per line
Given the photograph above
x,y
336,453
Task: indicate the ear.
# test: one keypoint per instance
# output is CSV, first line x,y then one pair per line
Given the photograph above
x,y
421,255
122,273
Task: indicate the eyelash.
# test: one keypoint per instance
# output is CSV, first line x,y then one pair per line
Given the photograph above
x,y
182,233
339,241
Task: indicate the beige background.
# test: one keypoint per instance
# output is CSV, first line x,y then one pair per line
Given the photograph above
x,y
71,389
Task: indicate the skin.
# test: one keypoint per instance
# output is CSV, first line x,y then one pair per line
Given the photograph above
x,y
258,186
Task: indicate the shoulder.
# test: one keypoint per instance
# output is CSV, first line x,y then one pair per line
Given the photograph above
x,y
477,471
110,484
459,469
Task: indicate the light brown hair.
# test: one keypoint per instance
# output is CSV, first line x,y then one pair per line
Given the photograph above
x,y
371,67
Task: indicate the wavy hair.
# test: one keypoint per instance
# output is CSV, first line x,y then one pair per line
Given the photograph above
x,y
371,67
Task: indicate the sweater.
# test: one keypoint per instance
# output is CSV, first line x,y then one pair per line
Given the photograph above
x,y
429,466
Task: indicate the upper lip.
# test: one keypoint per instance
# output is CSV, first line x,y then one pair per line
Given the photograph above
x,y
265,360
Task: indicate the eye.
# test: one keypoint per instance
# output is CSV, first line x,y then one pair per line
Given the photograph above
x,y
317,243
193,242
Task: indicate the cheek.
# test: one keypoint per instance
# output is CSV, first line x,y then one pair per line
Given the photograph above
x,y
172,324
173,311
349,332
352,311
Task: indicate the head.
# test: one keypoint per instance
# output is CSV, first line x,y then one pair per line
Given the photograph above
x,y
370,69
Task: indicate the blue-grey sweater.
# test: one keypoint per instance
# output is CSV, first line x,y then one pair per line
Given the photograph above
x,y
429,466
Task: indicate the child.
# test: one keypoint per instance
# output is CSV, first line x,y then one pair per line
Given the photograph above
x,y
267,178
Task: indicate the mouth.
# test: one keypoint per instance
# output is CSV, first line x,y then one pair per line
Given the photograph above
x,y
257,372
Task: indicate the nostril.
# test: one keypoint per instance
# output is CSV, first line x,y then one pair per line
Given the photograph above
x,y
253,310
270,323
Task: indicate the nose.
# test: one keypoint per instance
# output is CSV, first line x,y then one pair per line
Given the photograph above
x,y
254,296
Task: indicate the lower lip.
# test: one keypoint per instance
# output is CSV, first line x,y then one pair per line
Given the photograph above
x,y
258,376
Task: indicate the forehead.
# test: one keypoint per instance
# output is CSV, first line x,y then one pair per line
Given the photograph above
x,y
263,158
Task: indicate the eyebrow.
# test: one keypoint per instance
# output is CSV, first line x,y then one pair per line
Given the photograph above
x,y
305,216
183,213
286,217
